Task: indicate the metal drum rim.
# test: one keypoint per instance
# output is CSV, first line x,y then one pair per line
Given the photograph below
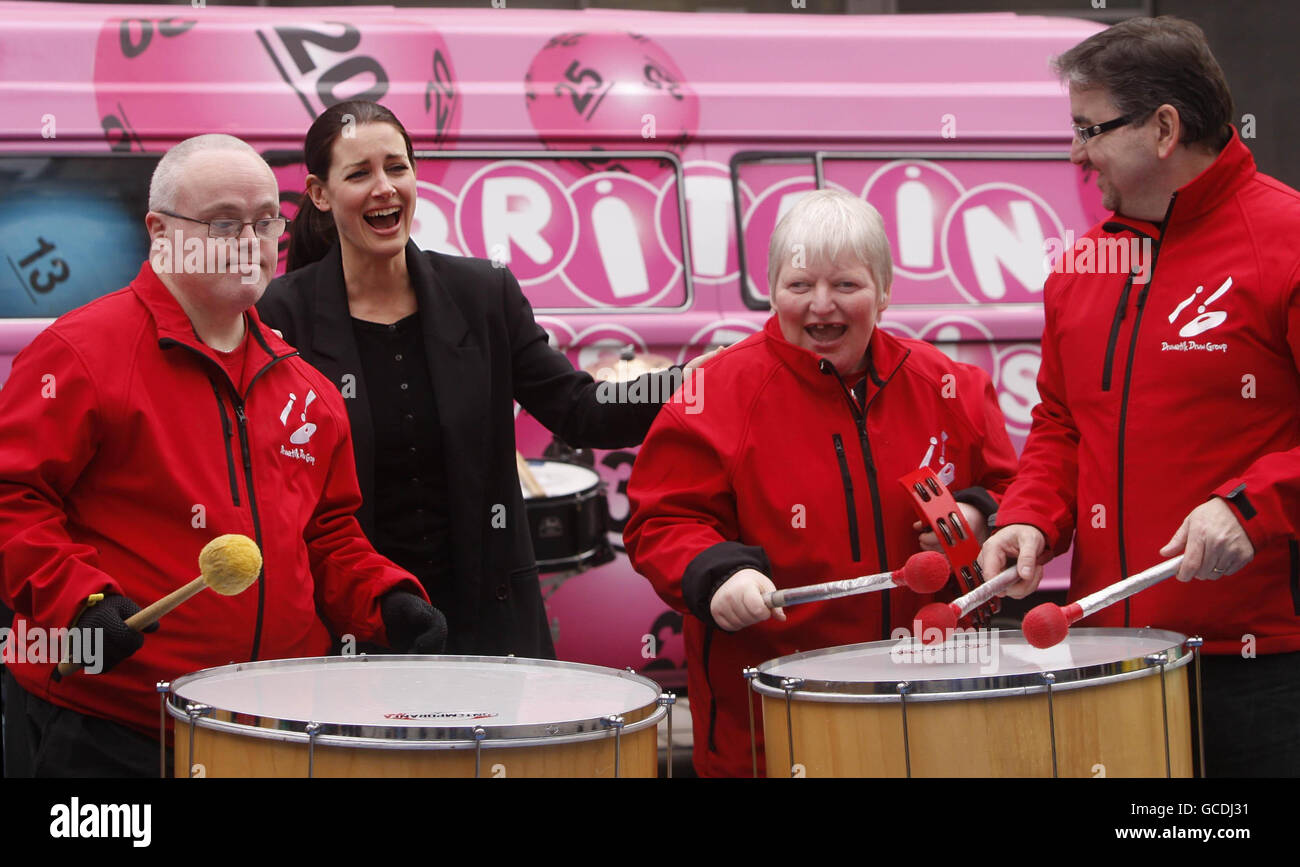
x,y
417,737
996,686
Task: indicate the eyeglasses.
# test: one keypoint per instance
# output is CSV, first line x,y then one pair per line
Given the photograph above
x,y
268,228
1083,133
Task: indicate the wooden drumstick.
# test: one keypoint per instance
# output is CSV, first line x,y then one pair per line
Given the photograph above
x,y
228,564
1049,623
526,476
924,572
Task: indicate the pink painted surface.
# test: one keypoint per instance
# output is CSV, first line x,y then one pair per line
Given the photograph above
x,y
946,108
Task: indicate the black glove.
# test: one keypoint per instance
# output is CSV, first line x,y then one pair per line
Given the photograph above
x,y
118,640
413,625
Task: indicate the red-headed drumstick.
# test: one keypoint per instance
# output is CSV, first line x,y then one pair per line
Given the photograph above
x,y
1049,623
924,572
943,616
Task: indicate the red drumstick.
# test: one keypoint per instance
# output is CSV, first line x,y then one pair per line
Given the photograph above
x,y
924,572
1049,623
943,616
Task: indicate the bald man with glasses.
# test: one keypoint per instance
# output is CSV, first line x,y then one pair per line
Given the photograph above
x,y
139,427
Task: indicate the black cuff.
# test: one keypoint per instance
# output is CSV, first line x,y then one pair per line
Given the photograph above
x,y
1237,497
978,497
707,572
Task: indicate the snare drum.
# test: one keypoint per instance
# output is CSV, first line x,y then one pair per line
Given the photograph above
x,y
416,716
569,524
1105,702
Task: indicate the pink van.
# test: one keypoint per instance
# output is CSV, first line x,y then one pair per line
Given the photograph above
x,y
628,167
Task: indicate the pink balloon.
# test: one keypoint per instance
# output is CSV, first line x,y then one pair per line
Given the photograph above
x,y
610,90
161,80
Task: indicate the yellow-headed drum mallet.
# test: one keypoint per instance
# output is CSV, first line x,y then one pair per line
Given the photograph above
x,y
228,564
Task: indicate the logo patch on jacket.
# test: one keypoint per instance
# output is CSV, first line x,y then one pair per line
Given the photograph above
x,y
1205,319
303,433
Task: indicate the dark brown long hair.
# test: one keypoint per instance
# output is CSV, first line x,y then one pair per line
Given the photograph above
x,y
312,232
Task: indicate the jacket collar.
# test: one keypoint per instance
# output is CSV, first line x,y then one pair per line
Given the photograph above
x,y
885,355
174,326
1208,191
441,319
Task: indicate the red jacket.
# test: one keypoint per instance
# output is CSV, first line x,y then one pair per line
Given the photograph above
x,y
761,464
125,447
1157,396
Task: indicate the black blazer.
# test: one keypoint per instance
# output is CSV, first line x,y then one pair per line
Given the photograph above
x,y
484,351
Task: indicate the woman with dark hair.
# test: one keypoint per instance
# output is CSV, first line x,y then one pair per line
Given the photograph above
x,y
430,351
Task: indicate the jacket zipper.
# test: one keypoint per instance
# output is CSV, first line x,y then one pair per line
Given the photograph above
x,y
1121,310
860,421
1128,381
849,504
242,421
228,435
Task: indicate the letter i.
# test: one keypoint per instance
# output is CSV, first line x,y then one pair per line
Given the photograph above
x,y
915,214
619,244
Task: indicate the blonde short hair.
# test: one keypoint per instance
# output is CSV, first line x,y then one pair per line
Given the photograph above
x,y
826,224
170,171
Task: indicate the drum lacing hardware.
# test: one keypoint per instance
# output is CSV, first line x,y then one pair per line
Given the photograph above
x,y
1050,680
750,673
1195,643
789,684
667,700
313,728
1160,659
194,711
903,688
163,687
615,722
479,735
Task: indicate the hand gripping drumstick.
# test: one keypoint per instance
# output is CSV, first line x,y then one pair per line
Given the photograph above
x,y
924,572
228,564
943,616
1049,623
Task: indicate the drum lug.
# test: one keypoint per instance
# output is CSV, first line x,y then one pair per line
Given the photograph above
x,y
163,687
1195,643
1160,659
749,674
194,711
789,685
615,722
667,700
313,729
903,689
1050,680
479,734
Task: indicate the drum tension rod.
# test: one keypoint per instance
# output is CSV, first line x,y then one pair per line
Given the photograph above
x,y
903,688
163,687
194,711
750,673
1160,659
790,684
313,728
1195,643
1050,680
479,734
615,722
667,700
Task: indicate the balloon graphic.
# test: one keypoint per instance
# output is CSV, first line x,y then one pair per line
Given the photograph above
x,y
158,81
610,91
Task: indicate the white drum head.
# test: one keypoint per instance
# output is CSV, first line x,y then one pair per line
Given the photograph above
x,y
559,479
421,697
985,661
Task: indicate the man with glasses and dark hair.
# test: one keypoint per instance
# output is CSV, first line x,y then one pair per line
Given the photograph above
x,y
139,427
1170,413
